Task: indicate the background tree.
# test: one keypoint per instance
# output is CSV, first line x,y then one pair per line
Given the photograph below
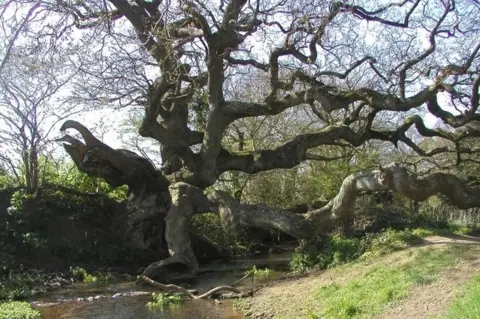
x,y
131,140
30,89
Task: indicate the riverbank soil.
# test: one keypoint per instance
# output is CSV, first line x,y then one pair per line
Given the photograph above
x,y
418,282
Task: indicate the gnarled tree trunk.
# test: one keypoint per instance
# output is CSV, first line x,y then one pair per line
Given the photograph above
x,y
148,196
154,200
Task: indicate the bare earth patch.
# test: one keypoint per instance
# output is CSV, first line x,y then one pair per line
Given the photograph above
x,y
295,298
438,240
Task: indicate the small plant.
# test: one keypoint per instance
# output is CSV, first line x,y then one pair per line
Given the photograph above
x,y
161,300
18,310
82,275
259,273
78,273
33,240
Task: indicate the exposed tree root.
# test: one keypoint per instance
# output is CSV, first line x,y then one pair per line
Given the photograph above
x,y
154,268
189,294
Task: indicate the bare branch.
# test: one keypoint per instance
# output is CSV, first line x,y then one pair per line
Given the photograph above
x,y
371,15
17,33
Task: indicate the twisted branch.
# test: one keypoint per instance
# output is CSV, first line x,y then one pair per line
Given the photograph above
x,y
174,288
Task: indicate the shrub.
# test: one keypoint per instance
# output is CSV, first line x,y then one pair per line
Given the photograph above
x,y
337,250
82,275
16,286
18,310
463,229
209,225
391,240
423,232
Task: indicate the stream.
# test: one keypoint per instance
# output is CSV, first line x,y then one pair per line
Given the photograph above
x,y
124,300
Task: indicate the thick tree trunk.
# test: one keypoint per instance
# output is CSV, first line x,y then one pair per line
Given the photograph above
x,y
148,200
156,219
177,234
145,224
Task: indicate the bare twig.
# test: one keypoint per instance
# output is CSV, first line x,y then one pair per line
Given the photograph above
x,y
17,33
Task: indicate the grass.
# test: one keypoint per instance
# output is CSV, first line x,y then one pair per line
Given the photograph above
x,y
467,305
381,286
18,310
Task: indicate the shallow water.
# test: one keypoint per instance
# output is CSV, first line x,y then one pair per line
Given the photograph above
x,y
135,307
104,301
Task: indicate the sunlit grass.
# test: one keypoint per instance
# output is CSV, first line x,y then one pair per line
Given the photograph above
x,y
381,286
467,305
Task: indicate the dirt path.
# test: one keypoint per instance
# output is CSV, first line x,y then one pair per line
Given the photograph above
x,y
295,298
439,240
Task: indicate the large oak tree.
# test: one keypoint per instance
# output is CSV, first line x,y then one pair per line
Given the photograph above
x,y
348,63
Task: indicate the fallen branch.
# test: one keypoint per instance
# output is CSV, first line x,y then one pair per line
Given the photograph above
x,y
175,288
242,279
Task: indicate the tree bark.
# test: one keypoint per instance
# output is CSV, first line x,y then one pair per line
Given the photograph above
x,y
148,196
